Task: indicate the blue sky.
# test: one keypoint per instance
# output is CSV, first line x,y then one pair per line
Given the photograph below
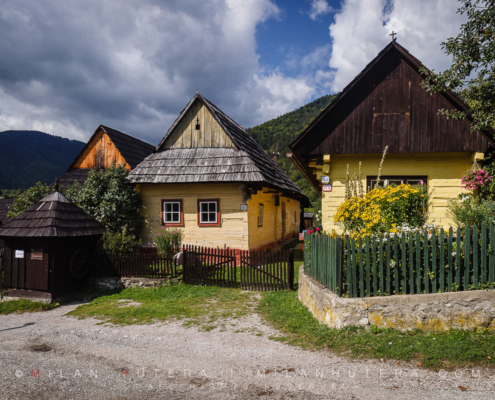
x,y
68,66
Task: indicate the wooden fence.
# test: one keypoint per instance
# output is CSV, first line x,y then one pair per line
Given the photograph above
x,y
411,263
249,270
135,265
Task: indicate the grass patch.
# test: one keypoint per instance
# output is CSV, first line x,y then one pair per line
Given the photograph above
x,y
450,350
197,305
23,306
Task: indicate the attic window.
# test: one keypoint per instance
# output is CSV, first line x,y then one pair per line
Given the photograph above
x,y
208,212
260,215
197,124
172,213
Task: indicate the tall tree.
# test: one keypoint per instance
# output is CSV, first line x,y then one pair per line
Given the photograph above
x,y
471,74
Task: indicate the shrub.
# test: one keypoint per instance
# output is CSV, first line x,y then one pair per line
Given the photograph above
x,y
168,240
470,210
119,243
384,210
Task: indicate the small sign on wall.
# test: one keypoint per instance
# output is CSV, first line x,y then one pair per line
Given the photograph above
x,y
327,188
37,254
325,179
19,254
243,207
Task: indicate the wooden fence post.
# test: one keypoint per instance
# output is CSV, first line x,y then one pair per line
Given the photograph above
x,y
291,269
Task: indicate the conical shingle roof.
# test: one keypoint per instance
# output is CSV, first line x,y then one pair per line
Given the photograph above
x,y
53,216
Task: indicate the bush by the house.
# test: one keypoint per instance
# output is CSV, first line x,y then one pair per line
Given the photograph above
x,y
384,210
168,240
469,210
119,243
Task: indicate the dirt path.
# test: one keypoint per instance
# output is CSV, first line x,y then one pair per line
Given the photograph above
x,y
78,359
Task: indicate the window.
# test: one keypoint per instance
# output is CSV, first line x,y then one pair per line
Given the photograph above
x,y
172,213
260,216
208,212
385,181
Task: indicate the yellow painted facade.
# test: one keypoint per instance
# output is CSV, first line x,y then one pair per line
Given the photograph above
x,y
443,171
237,230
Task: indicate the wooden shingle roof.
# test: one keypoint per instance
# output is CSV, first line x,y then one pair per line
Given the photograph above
x,y
4,209
52,216
245,162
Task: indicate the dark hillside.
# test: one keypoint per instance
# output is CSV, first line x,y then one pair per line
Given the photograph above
x,y
27,157
276,134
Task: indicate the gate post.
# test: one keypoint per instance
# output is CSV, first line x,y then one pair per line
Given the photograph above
x,y
184,265
291,269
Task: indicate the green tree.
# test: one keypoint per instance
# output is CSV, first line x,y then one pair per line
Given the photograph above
x,y
105,196
471,74
110,200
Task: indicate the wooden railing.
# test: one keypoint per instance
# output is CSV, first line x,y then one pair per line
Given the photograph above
x,y
134,265
412,263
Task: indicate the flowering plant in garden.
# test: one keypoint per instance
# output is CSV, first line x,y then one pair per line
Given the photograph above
x,y
475,179
168,240
384,209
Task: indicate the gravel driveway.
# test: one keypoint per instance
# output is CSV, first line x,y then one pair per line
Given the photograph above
x,y
51,356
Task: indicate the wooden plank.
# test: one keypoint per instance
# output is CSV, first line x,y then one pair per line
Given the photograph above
x,y
491,260
418,263
361,269
382,277
368,266
375,269
483,253
426,266
467,251
396,266
388,265
442,261
404,263
411,264
458,260
475,258
434,262
354,268
349,266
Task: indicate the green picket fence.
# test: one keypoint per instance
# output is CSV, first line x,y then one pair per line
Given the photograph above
x,y
404,264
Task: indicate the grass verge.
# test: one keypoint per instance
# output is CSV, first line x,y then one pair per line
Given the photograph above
x,y
450,350
23,305
197,305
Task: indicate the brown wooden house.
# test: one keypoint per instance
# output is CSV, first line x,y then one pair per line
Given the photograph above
x,y
209,178
47,249
386,106
106,146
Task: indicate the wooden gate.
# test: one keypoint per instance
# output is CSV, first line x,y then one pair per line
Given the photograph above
x,y
209,266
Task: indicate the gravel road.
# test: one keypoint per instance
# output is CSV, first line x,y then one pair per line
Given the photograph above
x,y
51,356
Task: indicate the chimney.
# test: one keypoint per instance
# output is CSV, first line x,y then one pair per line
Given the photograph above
x,y
242,126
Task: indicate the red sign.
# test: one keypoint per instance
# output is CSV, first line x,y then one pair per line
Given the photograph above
x,y
327,188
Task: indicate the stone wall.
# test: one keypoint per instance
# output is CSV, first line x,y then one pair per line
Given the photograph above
x,y
122,283
439,311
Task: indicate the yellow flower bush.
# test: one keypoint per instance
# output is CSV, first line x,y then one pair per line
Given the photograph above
x,y
384,210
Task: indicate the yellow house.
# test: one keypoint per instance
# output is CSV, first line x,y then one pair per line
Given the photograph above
x,y
386,106
209,178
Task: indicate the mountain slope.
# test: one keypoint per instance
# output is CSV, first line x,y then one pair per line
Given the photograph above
x,y
27,157
276,134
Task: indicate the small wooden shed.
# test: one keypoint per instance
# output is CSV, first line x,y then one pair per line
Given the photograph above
x,y
47,249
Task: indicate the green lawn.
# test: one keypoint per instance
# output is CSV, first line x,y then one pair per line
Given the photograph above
x,y
23,306
199,305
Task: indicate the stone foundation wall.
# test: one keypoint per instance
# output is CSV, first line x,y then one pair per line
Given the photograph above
x,y
438,312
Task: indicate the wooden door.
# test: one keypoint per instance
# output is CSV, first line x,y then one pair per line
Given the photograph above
x,y
37,271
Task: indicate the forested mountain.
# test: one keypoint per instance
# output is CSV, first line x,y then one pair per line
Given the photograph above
x,y
27,157
276,134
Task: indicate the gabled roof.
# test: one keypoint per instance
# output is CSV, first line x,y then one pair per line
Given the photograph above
x,y
52,216
4,209
133,150
246,161
416,64
79,175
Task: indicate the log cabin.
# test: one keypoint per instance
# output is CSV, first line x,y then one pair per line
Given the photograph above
x,y
386,106
106,146
212,180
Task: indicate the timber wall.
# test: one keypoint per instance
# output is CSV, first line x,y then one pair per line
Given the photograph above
x,y
443,171
100,153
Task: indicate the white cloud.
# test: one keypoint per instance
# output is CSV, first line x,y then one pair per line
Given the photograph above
x,y
68,66
319,7
362,28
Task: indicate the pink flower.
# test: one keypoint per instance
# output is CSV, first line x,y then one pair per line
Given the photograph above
x,y
317,229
